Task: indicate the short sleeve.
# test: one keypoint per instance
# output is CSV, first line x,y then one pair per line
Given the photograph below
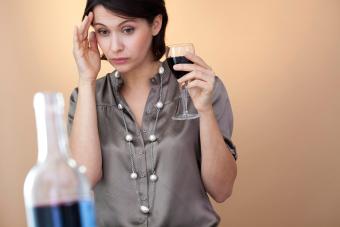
x,y
224,114
72,109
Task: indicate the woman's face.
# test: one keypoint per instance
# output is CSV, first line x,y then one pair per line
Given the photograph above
x,y
125,42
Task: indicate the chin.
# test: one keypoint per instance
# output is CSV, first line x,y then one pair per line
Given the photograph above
x,y
122,68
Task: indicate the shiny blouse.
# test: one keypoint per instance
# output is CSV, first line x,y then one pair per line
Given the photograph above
x,y
178,198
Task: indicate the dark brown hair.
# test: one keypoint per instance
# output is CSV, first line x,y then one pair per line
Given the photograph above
x,y
146,9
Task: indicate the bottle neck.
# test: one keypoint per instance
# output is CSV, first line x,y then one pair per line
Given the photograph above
x,y
52,139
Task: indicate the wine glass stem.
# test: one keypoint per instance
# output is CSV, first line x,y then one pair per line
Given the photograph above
x,y
185,99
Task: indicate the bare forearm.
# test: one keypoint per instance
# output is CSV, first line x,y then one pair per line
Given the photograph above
x,y
218,168
84,138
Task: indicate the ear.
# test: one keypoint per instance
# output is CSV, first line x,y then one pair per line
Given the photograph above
x,y
157,24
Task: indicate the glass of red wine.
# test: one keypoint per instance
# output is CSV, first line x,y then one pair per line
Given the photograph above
x,y
175,55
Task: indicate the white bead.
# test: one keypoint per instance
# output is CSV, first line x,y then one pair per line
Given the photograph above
x,y
153,177
71,162
152,138
133,175
82,169
117,74
159,105
161,70
128,137
144,209
120,106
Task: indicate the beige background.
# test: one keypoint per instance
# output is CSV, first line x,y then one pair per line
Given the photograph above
x,y
279,59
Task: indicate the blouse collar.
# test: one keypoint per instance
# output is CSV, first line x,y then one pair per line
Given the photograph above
x,y
155,80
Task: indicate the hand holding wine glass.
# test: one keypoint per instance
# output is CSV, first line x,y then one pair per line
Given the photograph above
x,y
85,50
201,79
176,55
197,76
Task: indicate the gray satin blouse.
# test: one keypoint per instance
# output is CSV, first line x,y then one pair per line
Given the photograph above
x,y
178,198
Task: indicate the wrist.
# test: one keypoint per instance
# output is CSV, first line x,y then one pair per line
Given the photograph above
x,y
207,111
86,82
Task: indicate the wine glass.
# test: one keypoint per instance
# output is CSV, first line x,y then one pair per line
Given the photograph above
x,y
175,55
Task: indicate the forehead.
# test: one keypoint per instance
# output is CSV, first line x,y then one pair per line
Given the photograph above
x,y
109,18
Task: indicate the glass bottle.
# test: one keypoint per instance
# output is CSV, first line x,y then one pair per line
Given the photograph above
x,y
56,191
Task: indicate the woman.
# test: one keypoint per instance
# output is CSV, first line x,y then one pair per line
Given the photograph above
x,y
147,169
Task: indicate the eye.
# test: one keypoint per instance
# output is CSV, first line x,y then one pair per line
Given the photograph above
x,y
103,32
128,30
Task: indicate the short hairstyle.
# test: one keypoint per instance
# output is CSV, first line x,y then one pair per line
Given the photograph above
x,y
146,9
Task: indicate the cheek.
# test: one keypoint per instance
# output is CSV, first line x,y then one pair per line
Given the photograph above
x,y
141,43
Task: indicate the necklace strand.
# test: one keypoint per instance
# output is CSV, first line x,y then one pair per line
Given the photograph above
x,y
152,138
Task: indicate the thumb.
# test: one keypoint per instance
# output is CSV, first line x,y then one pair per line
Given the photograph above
x,y
93,42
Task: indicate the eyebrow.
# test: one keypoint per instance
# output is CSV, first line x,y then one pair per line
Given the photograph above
x,y
123,22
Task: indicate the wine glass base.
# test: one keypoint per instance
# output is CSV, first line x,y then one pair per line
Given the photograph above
x,y
183,117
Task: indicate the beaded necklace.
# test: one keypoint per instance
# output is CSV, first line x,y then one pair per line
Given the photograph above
x,y
152,138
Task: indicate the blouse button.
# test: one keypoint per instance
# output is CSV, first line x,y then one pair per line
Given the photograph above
x,y
142,196
142,221
142,174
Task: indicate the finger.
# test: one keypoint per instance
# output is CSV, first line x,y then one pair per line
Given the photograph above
x,y
193,75
195,70
88,24
93,42
82,28
198,83
81,42
75,38
77,43
198,75
197,59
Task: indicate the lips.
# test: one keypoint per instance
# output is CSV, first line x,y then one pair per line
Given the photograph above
x,y
118,61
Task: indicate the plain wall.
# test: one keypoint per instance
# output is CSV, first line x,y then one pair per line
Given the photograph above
x,y
280,61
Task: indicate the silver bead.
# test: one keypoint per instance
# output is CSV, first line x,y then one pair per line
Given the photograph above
x,y
117,74
153,177
82,169
128,137
159,105
152,138
144,209
120,106
71,162
133,175
161,70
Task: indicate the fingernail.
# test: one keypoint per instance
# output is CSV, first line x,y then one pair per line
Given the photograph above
x,y
176,67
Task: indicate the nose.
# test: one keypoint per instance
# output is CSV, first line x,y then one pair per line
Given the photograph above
x,y
116,45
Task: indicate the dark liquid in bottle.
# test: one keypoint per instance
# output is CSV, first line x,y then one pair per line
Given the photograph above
x,y
178,60
74,214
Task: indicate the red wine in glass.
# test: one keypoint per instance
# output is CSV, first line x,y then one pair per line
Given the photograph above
x,y
178,60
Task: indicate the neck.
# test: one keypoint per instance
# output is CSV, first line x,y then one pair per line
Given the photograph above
x,y
139,78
